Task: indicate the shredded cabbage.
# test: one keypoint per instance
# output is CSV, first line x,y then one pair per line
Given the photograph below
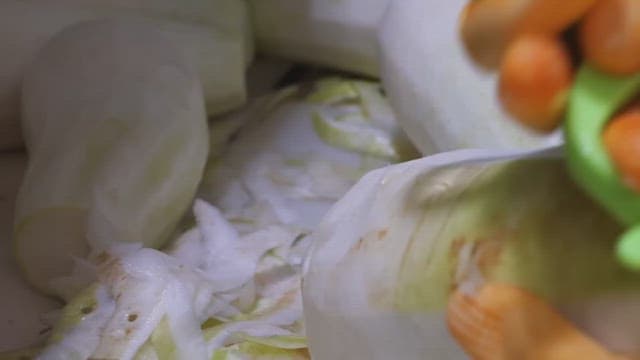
x,y
229,287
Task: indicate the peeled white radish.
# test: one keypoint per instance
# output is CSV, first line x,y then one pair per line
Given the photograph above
x,y
441,99
117,138
219,47
340,34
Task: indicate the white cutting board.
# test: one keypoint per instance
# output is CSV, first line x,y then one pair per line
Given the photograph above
x,y
21,307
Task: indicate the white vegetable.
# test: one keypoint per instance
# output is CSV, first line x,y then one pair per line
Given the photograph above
x,y
228,288
138,289
441,99
227,16
218,47
147,303
223,14
339,34
283,168
77,333
276,348
387,256
22,325
357,117
117,136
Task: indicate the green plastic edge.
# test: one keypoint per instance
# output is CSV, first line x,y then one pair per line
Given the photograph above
x,y
596,97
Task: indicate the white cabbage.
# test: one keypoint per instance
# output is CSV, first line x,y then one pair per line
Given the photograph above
x,y
229,287
282,168
214,35
387,256
22,311
340,34
146,298
116,149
